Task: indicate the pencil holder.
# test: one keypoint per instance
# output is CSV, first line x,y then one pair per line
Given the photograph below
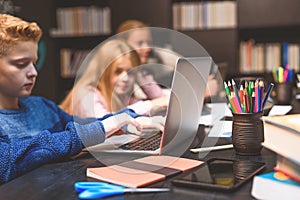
x,y
247,133
243,168
284,93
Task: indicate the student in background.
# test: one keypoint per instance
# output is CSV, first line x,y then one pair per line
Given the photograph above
x,y
138,35
107,84
33,130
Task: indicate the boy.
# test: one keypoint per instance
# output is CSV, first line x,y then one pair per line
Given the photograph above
x,y
34,130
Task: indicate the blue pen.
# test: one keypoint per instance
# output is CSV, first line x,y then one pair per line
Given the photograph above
x,y
96,190
267,94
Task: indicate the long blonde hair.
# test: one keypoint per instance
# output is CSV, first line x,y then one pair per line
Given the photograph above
x,y
97,73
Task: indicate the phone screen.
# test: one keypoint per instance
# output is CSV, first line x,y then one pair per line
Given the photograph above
x,y
220,174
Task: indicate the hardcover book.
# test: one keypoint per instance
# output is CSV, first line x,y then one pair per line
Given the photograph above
x,y
289,122
282,141
288,167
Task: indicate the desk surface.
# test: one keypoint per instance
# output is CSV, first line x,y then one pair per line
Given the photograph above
x,y
55,181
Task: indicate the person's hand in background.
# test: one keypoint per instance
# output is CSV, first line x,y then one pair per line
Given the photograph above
x,y
144,77
212,87
159,105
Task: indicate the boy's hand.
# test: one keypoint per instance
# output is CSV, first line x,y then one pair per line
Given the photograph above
x,y
156,122
114,123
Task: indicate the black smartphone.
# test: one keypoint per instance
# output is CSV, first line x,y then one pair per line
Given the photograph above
x,y
220,174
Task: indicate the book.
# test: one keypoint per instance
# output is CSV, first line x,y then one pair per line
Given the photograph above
x,y
288,167
273,186
143,171
289,122
282,141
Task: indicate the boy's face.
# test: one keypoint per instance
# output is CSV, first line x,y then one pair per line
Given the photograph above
x,y
17,70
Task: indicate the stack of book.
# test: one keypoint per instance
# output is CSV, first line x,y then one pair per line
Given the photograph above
x,y
282,136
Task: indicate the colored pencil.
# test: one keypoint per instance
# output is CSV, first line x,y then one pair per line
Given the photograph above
x,y
261,95
232,104
237,105
253,102
241,93
256,96
234,87
229,86
247,103
227,89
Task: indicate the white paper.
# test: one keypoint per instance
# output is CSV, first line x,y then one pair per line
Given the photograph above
x,y
221,129
218,111
280,110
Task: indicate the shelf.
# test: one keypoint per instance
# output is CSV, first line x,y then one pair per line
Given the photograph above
x,y
88,42
208,29
74,36
268,13
272,34
73,3
221,45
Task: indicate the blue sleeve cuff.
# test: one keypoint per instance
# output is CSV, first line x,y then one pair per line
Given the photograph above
x,y
105,117
129,112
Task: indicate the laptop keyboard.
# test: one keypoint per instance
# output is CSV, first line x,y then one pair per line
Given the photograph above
x,y
151,142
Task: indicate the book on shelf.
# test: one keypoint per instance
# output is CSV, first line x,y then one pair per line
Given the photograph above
x,y
204,15
82,21
264,57
71,60
143,171
272,55
273,186
288,167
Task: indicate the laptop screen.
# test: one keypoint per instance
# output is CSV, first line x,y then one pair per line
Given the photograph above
x,y
185,106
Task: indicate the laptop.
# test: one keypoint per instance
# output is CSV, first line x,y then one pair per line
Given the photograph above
x,y
182,115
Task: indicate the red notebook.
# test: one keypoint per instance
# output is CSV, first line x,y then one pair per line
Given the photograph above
x,y
143,171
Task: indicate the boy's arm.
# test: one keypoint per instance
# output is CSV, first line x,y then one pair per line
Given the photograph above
x,y
18,156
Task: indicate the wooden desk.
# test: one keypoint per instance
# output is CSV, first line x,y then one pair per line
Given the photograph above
x,y
55,181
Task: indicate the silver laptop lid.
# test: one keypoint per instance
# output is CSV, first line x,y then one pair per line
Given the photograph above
x,y
186,102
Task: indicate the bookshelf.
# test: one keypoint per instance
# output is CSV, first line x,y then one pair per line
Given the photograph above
x,y
273,40
79,27
254,21
70,39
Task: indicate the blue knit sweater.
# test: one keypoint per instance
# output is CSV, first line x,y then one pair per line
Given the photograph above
x,y
40,132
